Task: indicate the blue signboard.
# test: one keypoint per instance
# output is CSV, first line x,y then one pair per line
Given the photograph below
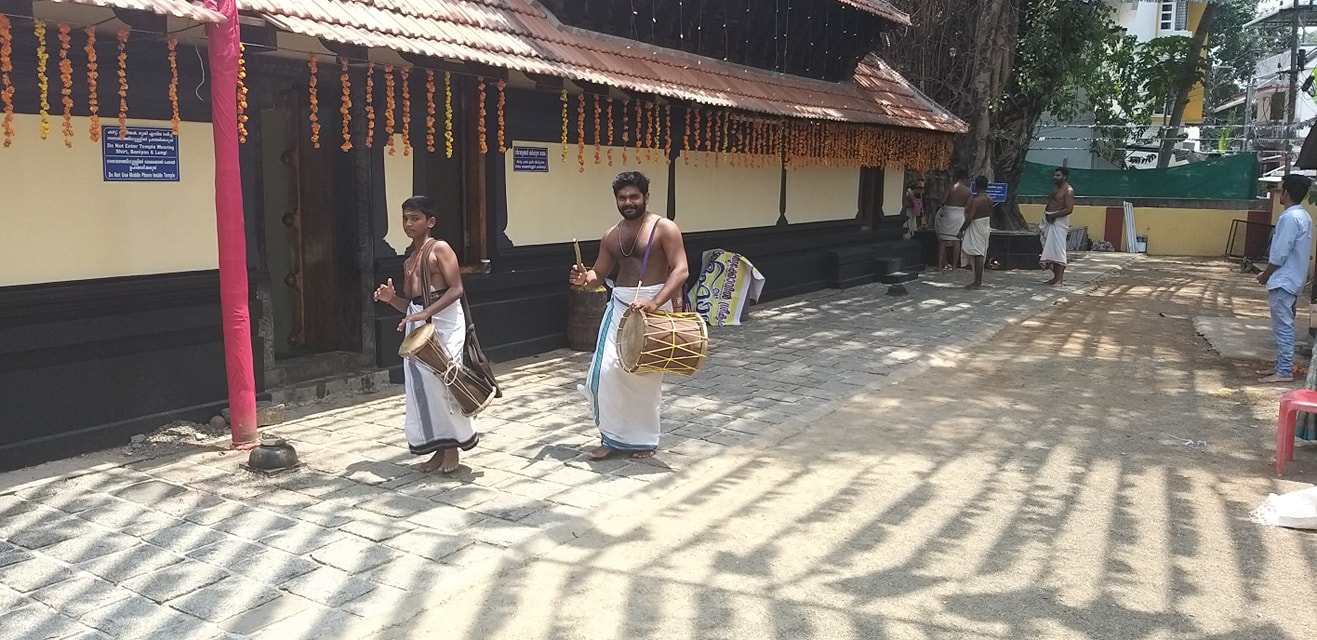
x,y
146,154
530,159
996,191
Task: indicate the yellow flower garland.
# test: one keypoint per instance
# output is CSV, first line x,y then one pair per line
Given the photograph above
x,y
448,114
43,82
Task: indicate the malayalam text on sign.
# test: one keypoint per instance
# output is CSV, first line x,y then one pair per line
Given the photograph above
x,y
535,159
146,154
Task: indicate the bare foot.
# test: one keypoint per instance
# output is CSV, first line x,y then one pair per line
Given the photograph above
x,y
1275,378
433,463
451,460
599,453
1051,282
643,454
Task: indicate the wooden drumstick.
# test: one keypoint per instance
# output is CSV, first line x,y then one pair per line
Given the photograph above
x,y
577,246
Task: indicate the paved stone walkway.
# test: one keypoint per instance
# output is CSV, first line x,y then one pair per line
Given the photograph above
x,y
189,546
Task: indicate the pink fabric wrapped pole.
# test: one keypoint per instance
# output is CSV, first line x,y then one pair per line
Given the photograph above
x,y
223,42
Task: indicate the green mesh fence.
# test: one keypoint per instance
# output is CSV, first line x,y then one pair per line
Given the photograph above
x,y
1229,178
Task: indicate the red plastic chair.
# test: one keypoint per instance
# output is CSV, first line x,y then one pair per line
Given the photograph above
x,y
1290,406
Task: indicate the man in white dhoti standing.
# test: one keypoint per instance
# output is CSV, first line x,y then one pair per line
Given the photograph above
x,y
650,257
950,220
977,229
432,284
1055,226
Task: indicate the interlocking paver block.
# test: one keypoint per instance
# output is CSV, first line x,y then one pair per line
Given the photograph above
x,y
225,599
150,492
184,537
302,538
310,624
89,546
80,595
139,617
254,524
429,544
133,561
329,586
254,561
377,528
282,607
173,581
36,622
33,574
354,555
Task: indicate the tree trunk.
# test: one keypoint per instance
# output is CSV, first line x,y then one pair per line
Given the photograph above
x,y
1016,130
987,68
1182,98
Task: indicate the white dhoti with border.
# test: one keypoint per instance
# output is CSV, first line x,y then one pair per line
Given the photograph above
x,y
1054,235
976,237
949,221
625,405
434,420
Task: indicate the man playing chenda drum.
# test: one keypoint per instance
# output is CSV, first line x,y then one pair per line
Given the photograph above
x,y
434,422
626,405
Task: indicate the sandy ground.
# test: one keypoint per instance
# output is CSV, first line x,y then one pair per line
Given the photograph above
x,y
1088,474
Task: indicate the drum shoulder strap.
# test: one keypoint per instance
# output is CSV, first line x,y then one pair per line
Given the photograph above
x,y
424,266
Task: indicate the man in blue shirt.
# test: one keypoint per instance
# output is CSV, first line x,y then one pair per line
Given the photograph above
x,y
1287,271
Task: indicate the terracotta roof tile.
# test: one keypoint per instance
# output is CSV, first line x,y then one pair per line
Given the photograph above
x,y
514,34
176,8
880,8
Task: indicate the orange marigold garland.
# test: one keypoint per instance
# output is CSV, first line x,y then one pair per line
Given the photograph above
x,y
686,138
370,105
389,105
93,105
345,104
173,83
667,134
502,127
406,112
610,131
66,83
708,137
123,84
480,126
626,128
564,125
242,94
597,143
448,114
43,82
649,131
580,131
312,92
429,110
640,116
6,67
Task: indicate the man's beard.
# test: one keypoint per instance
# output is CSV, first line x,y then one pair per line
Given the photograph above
x,y
631,213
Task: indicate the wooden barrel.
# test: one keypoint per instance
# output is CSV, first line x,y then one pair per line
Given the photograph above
x,y
585,311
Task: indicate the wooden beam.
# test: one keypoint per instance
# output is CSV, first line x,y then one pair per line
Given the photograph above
x,y
352,52
142,20
546,83
475,167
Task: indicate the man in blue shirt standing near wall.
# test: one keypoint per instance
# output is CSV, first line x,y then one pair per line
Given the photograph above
x,y
1287,271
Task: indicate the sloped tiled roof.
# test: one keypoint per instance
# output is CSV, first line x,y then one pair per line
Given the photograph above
x,y
880,8
176,8
521,35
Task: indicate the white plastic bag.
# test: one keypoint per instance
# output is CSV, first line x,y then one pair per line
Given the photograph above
x,y
1296,510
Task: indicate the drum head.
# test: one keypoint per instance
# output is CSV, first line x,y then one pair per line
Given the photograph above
x,y
415,340
631,339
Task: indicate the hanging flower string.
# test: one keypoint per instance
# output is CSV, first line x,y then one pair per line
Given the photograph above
x,y
580,131
610,131
345,105
370,105
626,129
429,110
640,115
667,134
66,83
93,105
7,67
564,125
448,114
43,82
502,102
123,84
480,126
686,138
312,92
390,103
597,143
650,136
173,84
406,112
242,93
